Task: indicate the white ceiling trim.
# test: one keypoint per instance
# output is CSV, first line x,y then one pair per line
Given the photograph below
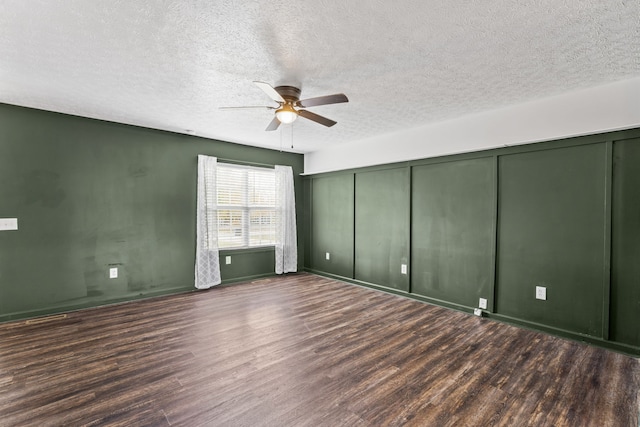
x,y
604,108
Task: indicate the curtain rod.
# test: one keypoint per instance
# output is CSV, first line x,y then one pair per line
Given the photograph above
x,y
241,162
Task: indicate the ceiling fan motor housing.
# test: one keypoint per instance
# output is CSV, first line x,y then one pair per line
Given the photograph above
x,y
289,93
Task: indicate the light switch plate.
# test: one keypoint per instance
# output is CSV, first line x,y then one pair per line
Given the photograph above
x,y
227,259
482,303
8,224
541,292
327,256
403,269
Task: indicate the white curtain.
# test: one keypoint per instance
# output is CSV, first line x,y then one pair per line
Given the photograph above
x,y
286,240
207,257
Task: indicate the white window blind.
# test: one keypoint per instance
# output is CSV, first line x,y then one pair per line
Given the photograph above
x,y
247,215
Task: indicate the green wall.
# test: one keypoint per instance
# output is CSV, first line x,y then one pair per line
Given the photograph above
x,y
89,195
625,278
551,227
382,227
332,224
452,235
495,224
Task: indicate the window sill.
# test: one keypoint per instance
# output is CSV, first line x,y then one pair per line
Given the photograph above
x,y
256,249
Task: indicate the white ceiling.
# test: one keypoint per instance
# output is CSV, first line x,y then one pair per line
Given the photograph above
x,y
170,64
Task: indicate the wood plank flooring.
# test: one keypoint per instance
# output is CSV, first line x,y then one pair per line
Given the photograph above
x,y
303,350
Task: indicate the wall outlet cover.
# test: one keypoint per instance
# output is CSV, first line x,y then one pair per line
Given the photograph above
x,y
482,303
403,269
227,259
8,224
327,256
113,273
541,293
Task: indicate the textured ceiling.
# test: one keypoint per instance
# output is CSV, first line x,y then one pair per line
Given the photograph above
x,y
170,64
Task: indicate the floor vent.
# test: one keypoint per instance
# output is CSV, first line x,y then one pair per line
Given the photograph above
x,y
47,319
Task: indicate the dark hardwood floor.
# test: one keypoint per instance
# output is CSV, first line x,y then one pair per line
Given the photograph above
x,y
303,351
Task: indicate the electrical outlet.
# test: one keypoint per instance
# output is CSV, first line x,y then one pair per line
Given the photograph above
x,y
483,303
403,269
541,293
327,256
113,273
227,259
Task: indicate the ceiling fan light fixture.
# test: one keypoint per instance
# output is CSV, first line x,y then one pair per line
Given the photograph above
x,y
286,114
288,97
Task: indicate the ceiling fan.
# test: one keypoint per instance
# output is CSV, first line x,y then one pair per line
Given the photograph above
x,y
290,106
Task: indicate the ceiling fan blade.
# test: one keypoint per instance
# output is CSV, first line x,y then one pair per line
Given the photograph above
x,y
247,107
270,91
323,100
273,125
316,118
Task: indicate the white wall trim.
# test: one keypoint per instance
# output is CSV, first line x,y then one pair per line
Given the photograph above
x,y
605,108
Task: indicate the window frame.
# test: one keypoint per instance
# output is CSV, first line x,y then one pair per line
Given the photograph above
x,y
245,208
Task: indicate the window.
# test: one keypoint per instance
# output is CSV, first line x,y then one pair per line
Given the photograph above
x,y
242,207
247,214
